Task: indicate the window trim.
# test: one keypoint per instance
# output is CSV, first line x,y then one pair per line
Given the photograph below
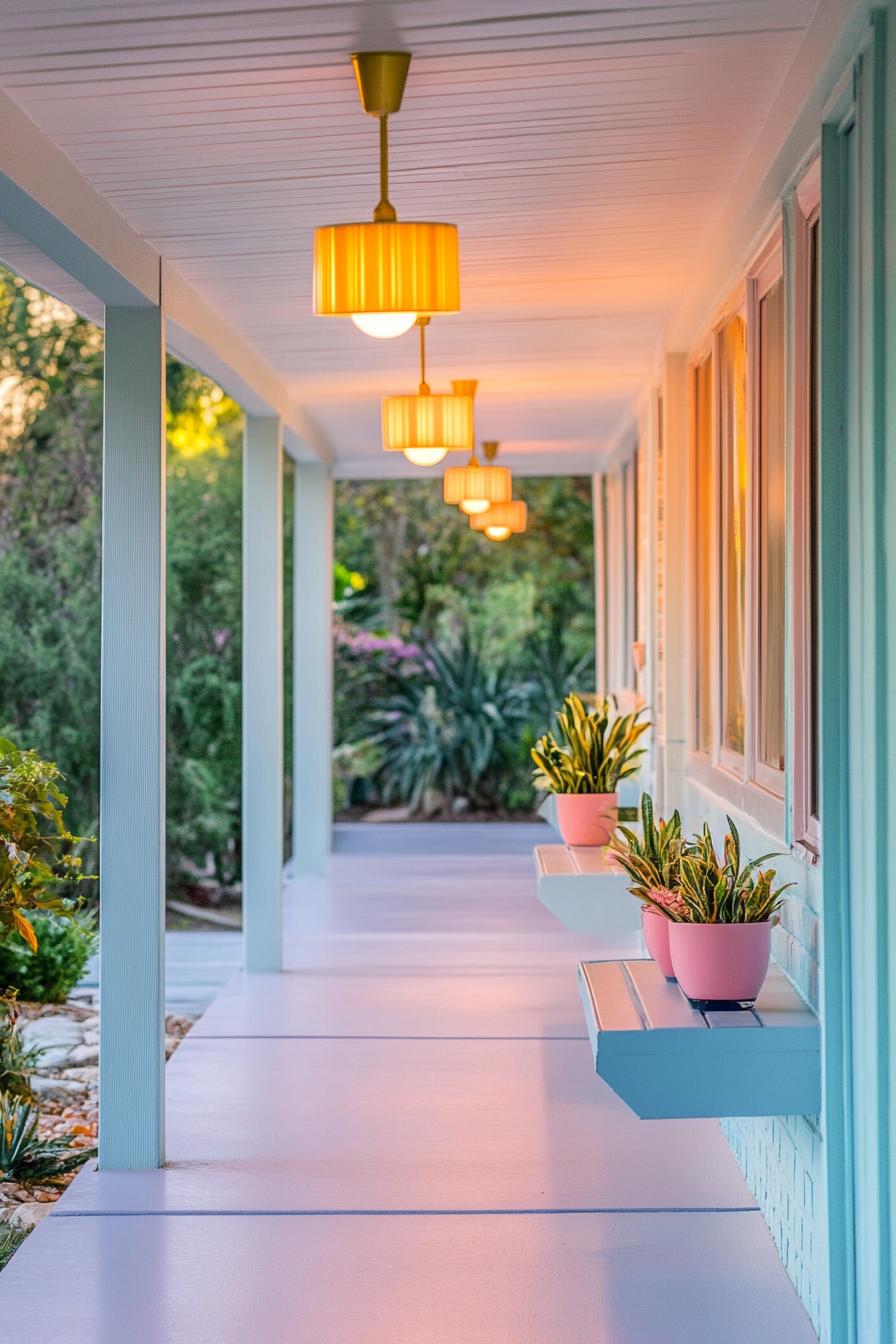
x,y
705,353
734,762
806,213
767,272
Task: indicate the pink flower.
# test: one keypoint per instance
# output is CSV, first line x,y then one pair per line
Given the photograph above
x,y
669,900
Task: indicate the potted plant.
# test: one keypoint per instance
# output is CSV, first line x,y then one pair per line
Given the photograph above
x,y
583,765
720,927
653,862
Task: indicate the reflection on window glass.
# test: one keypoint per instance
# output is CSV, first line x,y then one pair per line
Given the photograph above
x,y
772,528
703,566
733,460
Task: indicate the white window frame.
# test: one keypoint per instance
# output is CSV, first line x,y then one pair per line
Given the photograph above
x,y
733,776
708,351
806,211
766,273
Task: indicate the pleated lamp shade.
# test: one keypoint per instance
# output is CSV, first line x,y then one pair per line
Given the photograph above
x,y
474,487
499,521
385,274
426,424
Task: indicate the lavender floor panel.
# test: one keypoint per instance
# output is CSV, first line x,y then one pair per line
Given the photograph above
x,y
630,1279
266,1124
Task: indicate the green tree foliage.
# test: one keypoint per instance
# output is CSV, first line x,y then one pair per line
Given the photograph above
x,y
50,516
518,616
408,570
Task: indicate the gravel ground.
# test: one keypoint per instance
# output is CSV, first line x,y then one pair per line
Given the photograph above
x,y
65,1085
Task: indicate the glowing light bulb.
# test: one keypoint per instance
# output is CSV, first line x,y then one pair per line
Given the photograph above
x,y
495,532
471,506
384,325
425,457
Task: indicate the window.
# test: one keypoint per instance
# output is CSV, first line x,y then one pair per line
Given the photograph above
x,y
732,350
741,603
771,524
704,514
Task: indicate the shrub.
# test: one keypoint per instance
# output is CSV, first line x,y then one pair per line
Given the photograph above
x,y
64,946
16,1062
37,854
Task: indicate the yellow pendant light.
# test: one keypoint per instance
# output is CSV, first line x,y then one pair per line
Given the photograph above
x,y
427,425
474,487
501,520
386,273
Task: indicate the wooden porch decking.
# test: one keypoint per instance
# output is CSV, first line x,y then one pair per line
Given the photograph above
x,y
401,1138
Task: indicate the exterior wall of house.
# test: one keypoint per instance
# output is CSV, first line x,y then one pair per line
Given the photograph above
x,y
824,1183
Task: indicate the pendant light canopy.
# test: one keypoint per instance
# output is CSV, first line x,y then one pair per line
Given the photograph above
x,y
474,487
427,425
386,273
500,521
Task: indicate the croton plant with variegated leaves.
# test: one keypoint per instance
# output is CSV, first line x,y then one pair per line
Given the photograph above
x,y
38,854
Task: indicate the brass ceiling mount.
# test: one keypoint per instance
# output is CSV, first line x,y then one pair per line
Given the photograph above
x,y
381,77
490,450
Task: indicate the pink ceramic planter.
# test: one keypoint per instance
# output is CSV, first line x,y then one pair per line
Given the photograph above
x,y
720,961
587,818
655,928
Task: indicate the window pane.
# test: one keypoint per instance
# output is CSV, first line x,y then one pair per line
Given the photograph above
x,y
703,498
772,525
733,458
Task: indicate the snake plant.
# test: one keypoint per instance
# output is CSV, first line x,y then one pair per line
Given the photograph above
x,y
723,890
594,750
653,860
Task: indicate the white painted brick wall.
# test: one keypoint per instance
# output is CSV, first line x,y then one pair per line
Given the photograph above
x,y
782,1157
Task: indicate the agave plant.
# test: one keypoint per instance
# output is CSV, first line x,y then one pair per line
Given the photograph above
x,y
722,890
653,861
596,748
27,1158
452,729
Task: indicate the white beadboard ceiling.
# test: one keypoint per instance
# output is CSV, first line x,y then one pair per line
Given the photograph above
x,y
584,150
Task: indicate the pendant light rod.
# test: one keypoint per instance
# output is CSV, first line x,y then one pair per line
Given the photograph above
x,y
381,79
423,323
385,210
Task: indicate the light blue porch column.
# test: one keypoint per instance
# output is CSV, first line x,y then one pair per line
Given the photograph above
x,y
132,746
262,692
312,669
601,633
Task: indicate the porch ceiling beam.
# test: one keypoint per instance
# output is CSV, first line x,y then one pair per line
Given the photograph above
x,y
64,236
45,198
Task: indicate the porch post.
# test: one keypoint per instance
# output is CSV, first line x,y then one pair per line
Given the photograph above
x,y
675,546
132,744
601,631
262,692
312,669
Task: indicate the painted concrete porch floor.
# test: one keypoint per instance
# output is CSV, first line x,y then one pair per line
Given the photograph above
x,y
402,1139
